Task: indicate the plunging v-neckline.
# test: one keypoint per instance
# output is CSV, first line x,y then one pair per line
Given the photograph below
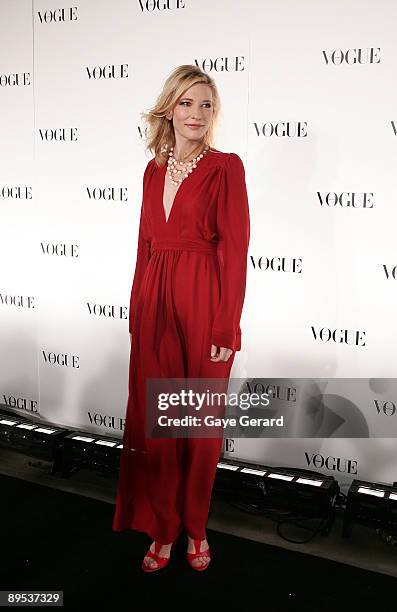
x,y
163,178
166,219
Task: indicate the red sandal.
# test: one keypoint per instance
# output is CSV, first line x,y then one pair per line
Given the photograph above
x,y
204,553
161,561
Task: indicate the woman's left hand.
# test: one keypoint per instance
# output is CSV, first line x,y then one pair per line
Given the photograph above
x,y
223,355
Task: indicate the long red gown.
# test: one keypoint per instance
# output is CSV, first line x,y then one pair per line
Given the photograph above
x,y
187,294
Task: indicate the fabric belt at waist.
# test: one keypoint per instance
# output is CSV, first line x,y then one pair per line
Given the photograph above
x,y
181,244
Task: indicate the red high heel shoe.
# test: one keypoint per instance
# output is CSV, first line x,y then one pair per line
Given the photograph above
x,y
161,561
204,553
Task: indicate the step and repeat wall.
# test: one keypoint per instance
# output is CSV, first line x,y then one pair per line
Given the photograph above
x,y
309,102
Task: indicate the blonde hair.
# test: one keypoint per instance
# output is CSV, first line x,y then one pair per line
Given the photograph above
x,y
160,135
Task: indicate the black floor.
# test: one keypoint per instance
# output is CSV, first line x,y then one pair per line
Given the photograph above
x,y
52,540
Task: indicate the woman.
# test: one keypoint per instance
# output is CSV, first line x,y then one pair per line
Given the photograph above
x,y
186,302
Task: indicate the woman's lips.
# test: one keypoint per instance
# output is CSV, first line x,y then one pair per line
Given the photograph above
x,y
193,127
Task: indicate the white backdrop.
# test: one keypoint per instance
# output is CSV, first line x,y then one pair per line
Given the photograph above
x,y
309,96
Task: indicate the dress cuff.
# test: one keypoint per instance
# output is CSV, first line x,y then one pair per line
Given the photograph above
x,y
227,339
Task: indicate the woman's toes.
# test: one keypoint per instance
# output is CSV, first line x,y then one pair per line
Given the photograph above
x,y
149,562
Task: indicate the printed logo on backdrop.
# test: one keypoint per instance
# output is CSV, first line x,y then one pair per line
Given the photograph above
x,y
108,194
58,15
394,127
17,300
107,421
368,55
61,359
142,132
333,464
282,129
16,193
58,134
277,264
222,64
107,311
339,336
15,79
60,249
346,199
390,271
20,403
108,71
385,407
150,6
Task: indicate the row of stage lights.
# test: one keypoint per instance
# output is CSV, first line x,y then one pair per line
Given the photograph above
x,y
266,489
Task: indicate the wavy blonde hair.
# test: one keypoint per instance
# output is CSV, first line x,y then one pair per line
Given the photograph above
x,y
160,134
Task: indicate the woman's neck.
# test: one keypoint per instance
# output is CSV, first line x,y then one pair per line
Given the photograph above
x,y
189,155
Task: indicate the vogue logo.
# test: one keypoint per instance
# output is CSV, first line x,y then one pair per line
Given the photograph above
x,y
222,64
15,193
62,359
340,336
370,55
13,79
20,301
108,311
58,15
161,5
58,134
109,71
334,464
114,194
21,403
346,199
142,132
105,420
273,390
278,264
290,129
60,248
387,407
390,273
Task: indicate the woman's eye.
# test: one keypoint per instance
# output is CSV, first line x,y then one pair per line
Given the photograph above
x,y
205,103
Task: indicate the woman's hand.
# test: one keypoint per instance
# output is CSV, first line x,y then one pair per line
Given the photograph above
x,y
223,355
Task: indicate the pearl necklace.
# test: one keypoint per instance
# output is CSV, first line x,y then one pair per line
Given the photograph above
x,y
187,167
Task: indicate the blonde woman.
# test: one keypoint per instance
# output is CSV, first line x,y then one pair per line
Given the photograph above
x,y
186,302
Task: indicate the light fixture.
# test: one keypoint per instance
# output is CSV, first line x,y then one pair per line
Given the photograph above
x,y
284,489
372,504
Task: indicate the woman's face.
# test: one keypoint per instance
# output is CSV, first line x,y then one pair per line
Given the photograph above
x,y
193,113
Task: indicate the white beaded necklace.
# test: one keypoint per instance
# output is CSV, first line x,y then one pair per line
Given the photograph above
x,y
187,167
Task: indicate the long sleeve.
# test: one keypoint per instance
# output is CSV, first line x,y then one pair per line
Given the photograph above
x,y
142,258
233,228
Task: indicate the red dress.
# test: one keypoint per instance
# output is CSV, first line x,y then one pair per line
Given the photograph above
x,y
187,294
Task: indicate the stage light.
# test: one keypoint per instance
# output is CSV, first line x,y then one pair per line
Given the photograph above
x,y
302,492
281,477
91,452
32,438
225,466
68,450
372,504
